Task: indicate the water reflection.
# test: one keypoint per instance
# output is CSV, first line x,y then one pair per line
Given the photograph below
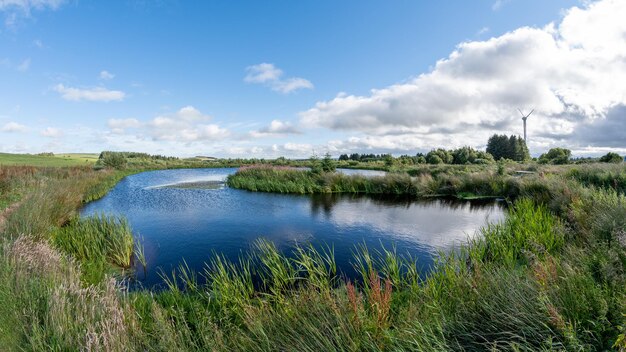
x,y
189,223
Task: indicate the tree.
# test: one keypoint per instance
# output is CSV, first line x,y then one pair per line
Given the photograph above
x,y
343,157
439,156
434,159
388,160
113,160
557,156
328,165
316,165
469,155
611,158
513,147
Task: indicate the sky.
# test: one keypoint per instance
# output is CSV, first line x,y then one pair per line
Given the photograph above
x,y
297,78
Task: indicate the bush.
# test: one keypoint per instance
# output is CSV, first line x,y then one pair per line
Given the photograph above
x,y
556,156
112,160
611,158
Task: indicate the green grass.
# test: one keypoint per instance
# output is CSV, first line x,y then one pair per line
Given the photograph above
x,y
551,276
96,242
59,160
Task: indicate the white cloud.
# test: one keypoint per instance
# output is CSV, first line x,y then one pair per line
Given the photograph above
x,y
262,73
497,5
51,132
24,66
13,127
120,125
292,84
28,5
300,148
275,128
572,73
106,75
482,31
183,126
270,75
15,10
90,94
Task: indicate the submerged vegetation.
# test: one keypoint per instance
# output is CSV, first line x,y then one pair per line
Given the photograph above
x,y
552,276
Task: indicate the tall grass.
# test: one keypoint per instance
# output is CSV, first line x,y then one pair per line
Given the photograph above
x,y
529,230
96,242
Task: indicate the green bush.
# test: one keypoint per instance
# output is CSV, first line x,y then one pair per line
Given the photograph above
x,y
611,158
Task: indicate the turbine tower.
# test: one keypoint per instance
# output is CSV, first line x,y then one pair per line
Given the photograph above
x,y
524,117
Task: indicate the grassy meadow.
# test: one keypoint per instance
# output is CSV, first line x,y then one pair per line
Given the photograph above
x,y
55,160
552,276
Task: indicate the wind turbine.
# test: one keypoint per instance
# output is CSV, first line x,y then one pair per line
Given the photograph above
x,y
524,117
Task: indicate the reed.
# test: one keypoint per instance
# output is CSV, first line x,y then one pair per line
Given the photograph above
x,y
95,242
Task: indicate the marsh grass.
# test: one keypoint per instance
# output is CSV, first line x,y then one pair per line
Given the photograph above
x,y
528,231
97,242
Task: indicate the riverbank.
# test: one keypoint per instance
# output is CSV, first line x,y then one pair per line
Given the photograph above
x,y
552,276
463,182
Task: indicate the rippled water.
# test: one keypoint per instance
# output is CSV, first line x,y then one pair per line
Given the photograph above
x,y
179,219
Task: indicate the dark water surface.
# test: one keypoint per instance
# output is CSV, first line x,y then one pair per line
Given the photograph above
x,y
187,214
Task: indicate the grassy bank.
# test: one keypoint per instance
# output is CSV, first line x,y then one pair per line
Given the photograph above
x,y
452,180
552,276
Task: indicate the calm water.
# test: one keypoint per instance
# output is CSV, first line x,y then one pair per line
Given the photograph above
x,y
188,214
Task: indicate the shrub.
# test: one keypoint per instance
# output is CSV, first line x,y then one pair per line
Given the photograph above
x,y
556,156
611,158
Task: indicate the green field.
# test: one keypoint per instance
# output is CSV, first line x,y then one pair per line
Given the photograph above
x,y
69,159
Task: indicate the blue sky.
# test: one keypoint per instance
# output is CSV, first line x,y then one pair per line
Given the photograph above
x,y
271,78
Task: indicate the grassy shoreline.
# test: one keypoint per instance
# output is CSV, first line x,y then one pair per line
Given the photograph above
x,y
551,277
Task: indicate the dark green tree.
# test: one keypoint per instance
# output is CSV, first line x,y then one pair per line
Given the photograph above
x,y
388,158
469,155
328,164
505,147
112,160
439,156
316,164
611,158
557,156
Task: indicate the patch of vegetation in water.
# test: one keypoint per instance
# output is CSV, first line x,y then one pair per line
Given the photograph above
x,y
196,185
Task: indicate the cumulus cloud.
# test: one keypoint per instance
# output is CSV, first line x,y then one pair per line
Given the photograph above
x,y
262,73
51,132
276,128
573,74
270,75
120,125
90,94
185,125
106,75
300,148
13,127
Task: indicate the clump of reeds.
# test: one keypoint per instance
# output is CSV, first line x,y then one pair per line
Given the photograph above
x,y
97,241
